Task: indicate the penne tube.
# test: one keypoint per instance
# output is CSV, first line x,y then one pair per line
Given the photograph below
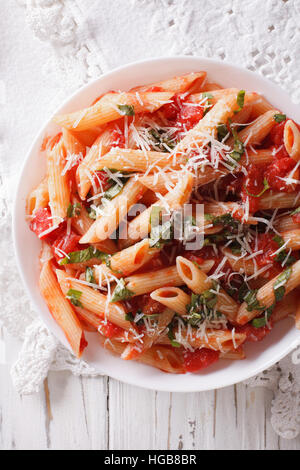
x,y
110,108
260,106
179,84
158,181
140,226
58,183
235,209
278,200
256,132
285,223
88,137
132,351
144,283
93,300
114,212
138,160
85,172
297,315
217,340
161,357
199,282
61,309
38,198
266,296
291,138
292,238
173,298
192,276
236,355
286,307
126,261
72,145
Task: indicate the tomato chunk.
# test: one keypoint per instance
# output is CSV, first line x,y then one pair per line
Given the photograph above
x,y
276,134
199,359
42,221
254,334
109,329
280,168
117,139
189,116
253,185
66,243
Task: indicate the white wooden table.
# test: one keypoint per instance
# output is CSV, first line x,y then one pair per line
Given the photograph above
x,y
101,413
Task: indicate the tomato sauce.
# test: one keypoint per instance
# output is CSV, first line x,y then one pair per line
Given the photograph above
x,y
66,243
109,329
199,359
254,334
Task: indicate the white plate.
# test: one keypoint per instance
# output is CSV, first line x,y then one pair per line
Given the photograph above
x,y
260,356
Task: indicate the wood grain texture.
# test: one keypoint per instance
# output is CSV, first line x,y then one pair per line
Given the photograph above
x,y
99,413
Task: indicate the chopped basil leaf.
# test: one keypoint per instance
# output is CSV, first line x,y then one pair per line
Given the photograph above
x,y
91,213
240,100
160,232
202,307
266,187
112,192
249,296
209,97
89,275
73,210
279,117
129,317
238,148
279,285
225,220
296,211
161,141
222,131
262,321
235,248
171,337
126,110
121,292
283,256
82,256
73,296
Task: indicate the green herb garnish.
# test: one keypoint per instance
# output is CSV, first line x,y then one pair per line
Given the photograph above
x,y
249,296
209,97
238,148
202,307
89,275
225,220
121,292
91,213
279,285
283,256
129,317
126,110
266,187
73,210
160,232
240,99
82,256
279,117
73,296
262,321
171,337
161,141
296,211
222,132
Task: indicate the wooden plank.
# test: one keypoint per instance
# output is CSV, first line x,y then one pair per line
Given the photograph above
x,y
131,417
253,423
78,412
23,419
192,418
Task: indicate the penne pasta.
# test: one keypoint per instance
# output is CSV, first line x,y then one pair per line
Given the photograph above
x,y
93,301
38,198
61,310
58,184
291,138
110,108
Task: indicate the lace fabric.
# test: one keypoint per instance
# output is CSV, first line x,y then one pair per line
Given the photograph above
x,y
261,36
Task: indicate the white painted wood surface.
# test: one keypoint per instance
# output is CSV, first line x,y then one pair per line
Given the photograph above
x,y
100,413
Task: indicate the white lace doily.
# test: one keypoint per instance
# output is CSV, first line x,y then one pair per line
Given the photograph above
x,y
89,38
